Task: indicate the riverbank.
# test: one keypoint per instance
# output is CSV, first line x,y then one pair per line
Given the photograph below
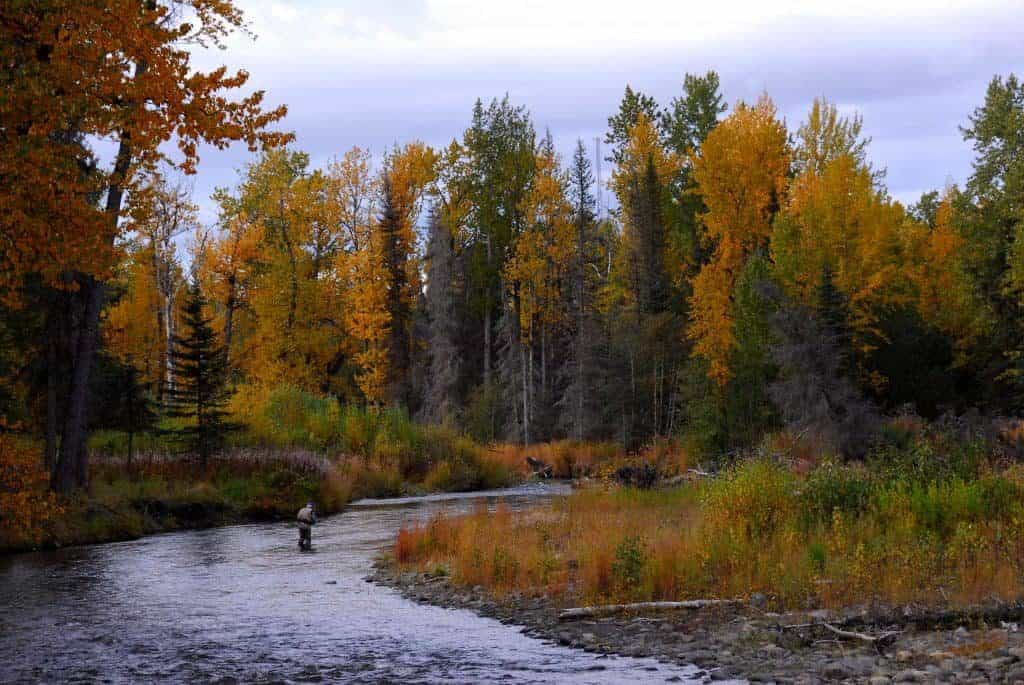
x,y
745,641
930,525
163,492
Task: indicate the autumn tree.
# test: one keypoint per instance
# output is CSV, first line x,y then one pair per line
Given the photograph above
x,y
536,279
161,213
838,217
741,174
648,273
116,70
353,198
286,235
230,269
944,294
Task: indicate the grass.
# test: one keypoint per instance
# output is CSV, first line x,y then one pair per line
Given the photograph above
x,y
169,493
931,521
381,452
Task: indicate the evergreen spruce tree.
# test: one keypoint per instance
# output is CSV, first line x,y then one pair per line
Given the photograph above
x,y
689,119
395,254
834,313
440,401
200,390
748,411
653,284
577,402
619,125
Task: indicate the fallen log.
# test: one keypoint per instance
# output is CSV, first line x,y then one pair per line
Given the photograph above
x,y
885,638
578,613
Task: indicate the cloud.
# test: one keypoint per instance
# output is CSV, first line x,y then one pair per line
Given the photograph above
x,y
377,72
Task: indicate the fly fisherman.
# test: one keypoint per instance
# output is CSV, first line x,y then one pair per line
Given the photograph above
x,y
307,519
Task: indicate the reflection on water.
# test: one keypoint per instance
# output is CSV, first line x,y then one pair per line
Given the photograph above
x,y
241,604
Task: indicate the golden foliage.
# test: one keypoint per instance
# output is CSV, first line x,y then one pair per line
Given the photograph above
x,y
130,328
943,292
741,173
838,217
542,254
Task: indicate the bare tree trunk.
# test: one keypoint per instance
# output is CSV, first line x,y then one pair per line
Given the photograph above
x,y
526,395
487,344
169,330
229,318
543,362
50,450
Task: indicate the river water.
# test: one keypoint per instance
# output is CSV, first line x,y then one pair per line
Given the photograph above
x,y
241,604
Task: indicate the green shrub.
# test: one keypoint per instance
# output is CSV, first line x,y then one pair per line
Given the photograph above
x,y
816,556
832,487
754,498
630,559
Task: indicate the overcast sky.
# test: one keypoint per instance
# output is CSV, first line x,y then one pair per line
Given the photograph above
x,y
376,72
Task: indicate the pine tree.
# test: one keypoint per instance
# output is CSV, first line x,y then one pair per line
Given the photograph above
x,y
633,105
748,412
652,286
834,313
395,255
440,401
690,118
200,391
578,397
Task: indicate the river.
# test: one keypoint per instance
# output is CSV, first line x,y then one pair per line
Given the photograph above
x,y
240,604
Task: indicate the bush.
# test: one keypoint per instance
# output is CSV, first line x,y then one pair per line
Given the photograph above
x,y
834,487
753,498
26,504
630,559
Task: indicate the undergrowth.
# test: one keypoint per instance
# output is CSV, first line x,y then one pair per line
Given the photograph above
x,y
932,521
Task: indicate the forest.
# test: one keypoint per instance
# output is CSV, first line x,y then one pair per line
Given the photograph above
x,y
750,276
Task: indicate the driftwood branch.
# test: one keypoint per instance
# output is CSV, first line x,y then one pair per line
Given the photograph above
x,y
878,640
578,613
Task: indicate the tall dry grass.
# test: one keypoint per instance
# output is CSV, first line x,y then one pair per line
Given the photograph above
x,y
837,535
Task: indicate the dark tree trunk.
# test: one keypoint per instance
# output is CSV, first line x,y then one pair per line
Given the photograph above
x,y
72,468
52,333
